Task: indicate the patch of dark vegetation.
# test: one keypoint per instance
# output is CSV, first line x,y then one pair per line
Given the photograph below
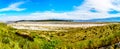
x,y
25,35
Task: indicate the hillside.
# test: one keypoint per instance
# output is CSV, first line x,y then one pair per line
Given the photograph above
x,y
73,38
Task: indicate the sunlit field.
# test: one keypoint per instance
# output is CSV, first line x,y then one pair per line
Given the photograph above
x,y
59,24
67,35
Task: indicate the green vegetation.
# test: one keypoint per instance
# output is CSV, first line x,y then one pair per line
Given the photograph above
x,y
72,38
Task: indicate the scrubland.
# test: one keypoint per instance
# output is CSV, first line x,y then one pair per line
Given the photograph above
x,y
95,37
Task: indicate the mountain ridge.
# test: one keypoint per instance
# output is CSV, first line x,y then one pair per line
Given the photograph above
x,y
112,19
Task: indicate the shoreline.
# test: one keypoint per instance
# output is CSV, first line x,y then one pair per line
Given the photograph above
x,y
52,26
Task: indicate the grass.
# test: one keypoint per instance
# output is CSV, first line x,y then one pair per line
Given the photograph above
x,y
73,38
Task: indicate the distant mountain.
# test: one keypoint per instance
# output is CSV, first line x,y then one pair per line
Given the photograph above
x,y
49,20
42,20
112,19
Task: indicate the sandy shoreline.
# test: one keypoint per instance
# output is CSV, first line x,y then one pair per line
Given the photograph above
x,y
51,26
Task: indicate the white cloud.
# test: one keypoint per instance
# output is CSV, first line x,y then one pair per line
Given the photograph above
x,y
81,12
101,5
13,7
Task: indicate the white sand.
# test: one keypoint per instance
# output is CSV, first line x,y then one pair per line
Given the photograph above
x,y
34,26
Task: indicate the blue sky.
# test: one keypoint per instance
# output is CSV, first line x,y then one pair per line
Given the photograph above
x,y
42,5
11,10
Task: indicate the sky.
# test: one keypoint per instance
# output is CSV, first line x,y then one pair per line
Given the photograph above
x,y
13,10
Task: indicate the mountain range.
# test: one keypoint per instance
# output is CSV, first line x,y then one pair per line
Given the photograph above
x,y
112,19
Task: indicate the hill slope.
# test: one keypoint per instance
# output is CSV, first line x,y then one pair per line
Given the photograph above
x,y
74,38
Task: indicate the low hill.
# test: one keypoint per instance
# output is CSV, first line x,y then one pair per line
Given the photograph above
x,y
112,19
